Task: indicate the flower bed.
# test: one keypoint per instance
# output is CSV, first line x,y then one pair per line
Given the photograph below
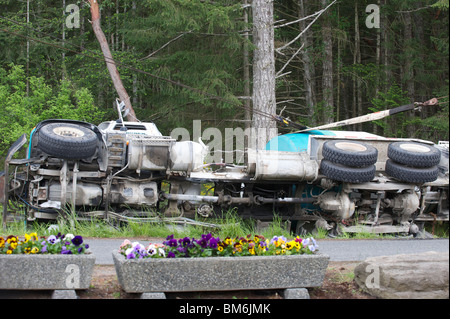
x,y
58,262
31,244
208,246
211,264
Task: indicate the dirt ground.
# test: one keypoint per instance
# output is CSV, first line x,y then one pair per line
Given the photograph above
x,y
338,284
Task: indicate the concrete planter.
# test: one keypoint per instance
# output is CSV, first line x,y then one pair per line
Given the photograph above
x,y
46,272
220,273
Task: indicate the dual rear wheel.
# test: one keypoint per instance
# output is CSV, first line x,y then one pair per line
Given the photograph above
x,y
353,161
348,161
413,162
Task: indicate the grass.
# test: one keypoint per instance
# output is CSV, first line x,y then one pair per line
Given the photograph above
x,y
230,225
440,229
341,275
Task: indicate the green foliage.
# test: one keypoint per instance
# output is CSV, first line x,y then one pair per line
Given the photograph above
x,y
197,44
438,124
442,4
20,111
394,97
200,44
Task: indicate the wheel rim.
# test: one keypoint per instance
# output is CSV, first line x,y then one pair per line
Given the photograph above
x,y
352,147
414,148
68,131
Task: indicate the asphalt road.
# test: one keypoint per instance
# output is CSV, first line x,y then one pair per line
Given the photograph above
x,y
338,250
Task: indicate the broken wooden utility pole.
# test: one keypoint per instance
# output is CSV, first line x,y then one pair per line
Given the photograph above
x,y
110,63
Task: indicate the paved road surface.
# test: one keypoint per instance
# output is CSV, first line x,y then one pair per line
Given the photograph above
x,y
338,250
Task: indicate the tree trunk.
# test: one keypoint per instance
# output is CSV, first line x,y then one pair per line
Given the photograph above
x,y
378,62
135,79
408,68
111,65
82,31
338,73
117,26
63,43
309,73
246,65
421,94
357,96
387,71
327,68
28,50
264,103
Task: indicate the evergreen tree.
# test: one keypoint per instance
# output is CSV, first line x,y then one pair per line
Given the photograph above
x,y
201,44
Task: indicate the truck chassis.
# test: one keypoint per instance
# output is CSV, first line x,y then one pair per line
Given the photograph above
x,y
130,172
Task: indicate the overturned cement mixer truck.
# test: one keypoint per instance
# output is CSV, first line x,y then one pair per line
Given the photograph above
x,y
333,180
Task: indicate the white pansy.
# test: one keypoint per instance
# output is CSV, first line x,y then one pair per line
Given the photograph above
x,y
151,250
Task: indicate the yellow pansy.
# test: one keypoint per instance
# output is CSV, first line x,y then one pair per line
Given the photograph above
x,y
12,239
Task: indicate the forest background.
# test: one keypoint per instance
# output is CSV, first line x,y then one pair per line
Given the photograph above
x,y
342,66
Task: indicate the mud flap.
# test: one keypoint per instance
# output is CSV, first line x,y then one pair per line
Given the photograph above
x,y
4,182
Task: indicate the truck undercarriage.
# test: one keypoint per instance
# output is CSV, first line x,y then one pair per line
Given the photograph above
x,y
130,172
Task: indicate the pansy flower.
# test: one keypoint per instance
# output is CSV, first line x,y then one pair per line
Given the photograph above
x,y
170,255
77,240
52,239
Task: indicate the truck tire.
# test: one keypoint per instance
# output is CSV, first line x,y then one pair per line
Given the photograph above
x,y
67,141
411,174
414,154
347,174
350,153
